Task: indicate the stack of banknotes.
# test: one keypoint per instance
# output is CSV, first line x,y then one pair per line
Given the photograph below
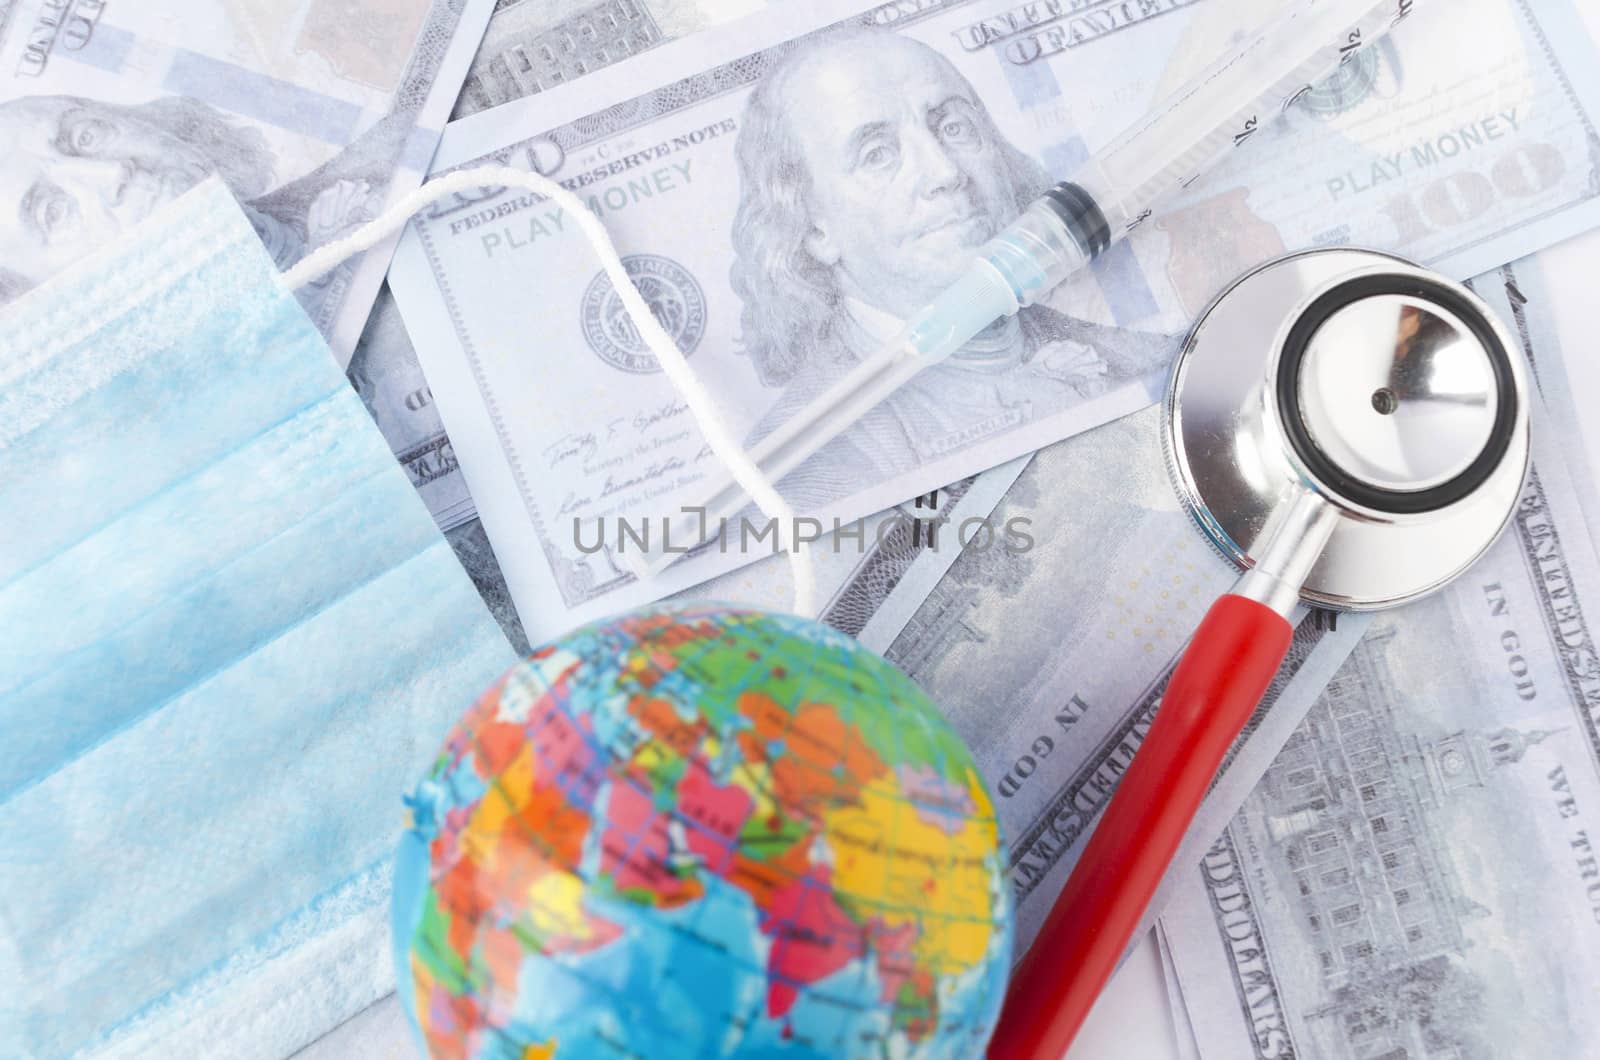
x,y
1399,858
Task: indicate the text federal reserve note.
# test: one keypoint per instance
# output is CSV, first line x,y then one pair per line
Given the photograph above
x,y
316,113
784,200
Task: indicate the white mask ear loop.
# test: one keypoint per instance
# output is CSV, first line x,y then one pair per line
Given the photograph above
x,y
715,430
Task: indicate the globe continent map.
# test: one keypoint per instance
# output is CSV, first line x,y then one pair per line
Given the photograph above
x,y
695,831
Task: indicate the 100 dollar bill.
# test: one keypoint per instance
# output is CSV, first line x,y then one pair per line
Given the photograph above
x,y
531,46
316,113
782,210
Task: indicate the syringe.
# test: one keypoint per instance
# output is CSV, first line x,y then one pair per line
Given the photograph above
x,y
1225,107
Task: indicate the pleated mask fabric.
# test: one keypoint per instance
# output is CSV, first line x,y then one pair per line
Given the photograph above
x,y
232,637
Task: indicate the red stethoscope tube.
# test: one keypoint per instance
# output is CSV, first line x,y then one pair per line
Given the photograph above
x,y
1213,691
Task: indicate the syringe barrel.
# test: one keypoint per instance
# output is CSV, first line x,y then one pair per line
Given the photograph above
x,y
1055,237
1024,262
1229,103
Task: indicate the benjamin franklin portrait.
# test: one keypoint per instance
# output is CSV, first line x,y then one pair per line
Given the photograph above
x,y
76,173
870,174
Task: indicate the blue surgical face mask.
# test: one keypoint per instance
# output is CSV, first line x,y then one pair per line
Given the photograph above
x,y
230,636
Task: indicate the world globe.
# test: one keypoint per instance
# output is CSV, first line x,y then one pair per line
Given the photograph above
x,y
694,831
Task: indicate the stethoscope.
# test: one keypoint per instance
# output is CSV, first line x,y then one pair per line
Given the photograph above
x,y
1351,431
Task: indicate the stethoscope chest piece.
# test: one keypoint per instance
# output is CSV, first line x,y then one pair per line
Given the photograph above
x,y
1350,397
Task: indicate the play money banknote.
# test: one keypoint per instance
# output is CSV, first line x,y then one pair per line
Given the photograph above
x,y
316,113
782,209
531,46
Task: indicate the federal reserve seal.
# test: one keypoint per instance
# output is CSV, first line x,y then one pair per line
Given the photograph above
x,y
1345,88
674,298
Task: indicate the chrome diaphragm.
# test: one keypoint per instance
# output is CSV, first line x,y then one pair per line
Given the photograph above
x,y
1389,394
